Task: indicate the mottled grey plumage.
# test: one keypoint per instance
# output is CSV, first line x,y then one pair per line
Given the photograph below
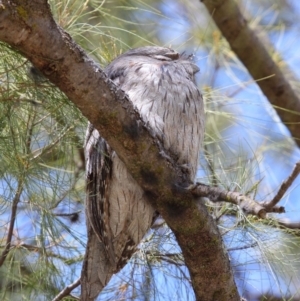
x,y
160,84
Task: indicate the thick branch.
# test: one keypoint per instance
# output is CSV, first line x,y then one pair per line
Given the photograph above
x,y
252,53
28,26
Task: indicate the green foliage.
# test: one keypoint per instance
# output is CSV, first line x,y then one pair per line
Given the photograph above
x,y
41,172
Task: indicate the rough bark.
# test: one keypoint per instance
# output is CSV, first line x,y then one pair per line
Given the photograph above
x,y
252,53
28,26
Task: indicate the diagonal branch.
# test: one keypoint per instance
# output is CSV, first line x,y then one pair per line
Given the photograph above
x,y
252,53
19,189
284,186
13,215
248,205
67,290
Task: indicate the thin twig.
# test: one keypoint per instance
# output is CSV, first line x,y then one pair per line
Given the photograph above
x,y
243,247
34,248
19,190
39,152
67,290
14,208
248,205
67,214
284,186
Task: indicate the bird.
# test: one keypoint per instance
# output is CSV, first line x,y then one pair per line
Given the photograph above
x,y
160,83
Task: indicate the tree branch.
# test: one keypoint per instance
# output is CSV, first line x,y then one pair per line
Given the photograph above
x,y
248,205
13,215
284,187
67,290
252,53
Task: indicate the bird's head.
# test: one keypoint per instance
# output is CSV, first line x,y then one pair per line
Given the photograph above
x,y
159,53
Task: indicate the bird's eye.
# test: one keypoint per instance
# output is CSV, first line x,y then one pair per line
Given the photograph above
x,y
169,56
172,55
162,57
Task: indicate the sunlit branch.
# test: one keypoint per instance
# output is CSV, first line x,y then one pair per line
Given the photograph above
x,y
248,205
67,290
